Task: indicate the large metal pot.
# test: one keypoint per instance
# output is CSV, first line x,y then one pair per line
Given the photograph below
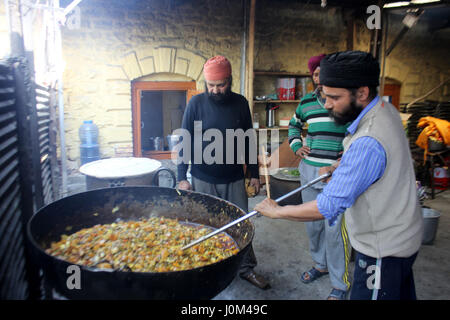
x,y
87,209
282,183
130,171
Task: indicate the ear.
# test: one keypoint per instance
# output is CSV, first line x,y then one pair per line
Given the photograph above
x,y
362,95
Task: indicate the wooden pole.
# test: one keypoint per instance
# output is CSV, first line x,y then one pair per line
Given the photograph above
x,y
266,173
351,26
251,48
426,94
383,56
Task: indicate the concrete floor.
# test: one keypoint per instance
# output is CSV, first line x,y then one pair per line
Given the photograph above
x,y
282,251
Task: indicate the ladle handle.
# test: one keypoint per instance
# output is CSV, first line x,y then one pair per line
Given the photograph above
x,y
251,214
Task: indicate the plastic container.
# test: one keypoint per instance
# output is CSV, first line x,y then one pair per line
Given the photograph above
x,y
301,87
284,122
441,178
430,225
286,88
89,148
255,121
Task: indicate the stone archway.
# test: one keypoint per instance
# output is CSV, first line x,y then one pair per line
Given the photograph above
x,y
143,62
135,64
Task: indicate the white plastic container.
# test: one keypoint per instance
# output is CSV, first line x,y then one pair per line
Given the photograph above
x,y
284,122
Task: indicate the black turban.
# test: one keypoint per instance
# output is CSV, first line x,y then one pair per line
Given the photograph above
x,y
349,69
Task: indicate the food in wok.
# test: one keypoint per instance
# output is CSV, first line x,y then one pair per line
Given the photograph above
x,y
147,245
291,172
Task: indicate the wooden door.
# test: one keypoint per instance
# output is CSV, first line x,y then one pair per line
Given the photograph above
x,y
137,88
393,92
151,117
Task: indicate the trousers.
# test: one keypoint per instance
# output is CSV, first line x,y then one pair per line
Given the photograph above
x,y
236,194
388,278
329,246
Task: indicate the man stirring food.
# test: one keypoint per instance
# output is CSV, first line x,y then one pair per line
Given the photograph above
x,y
374,183
322,147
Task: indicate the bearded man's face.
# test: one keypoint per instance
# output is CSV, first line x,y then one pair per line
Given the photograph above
x,y
341,104
218,90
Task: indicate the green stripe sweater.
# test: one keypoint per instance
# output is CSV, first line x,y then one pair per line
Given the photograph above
x,y
324,137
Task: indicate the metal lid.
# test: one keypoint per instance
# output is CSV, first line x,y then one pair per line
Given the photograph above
x,y
120,167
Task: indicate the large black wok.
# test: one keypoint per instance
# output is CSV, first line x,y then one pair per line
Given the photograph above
x,y
96,207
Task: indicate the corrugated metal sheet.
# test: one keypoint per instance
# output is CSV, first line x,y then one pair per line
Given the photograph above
x,y
47,150
13,284
27,171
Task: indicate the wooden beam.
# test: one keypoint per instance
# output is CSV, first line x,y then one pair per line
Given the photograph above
x,y
71,6
383,54
350,31
251,48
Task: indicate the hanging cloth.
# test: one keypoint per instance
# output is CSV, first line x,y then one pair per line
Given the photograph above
x,y
435,129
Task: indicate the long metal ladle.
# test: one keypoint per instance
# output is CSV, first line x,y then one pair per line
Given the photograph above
x,y
251,214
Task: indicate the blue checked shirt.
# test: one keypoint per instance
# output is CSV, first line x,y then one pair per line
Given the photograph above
x,y
362,165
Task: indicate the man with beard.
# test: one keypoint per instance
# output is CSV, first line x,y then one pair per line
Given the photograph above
x,y
374,182
218,108
322,147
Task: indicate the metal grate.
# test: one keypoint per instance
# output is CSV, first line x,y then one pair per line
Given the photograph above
x,y
13,284
46,133
28,168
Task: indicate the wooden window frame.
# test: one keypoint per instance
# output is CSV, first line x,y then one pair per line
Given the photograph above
x,y
136,88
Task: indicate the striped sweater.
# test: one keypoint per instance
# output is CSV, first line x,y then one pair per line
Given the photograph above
x,y
324,136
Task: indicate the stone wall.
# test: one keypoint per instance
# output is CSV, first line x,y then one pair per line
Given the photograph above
x,y
288,33
287,37
121,41
420,61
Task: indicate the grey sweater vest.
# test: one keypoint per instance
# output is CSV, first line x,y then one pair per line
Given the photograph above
x,y
386,219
